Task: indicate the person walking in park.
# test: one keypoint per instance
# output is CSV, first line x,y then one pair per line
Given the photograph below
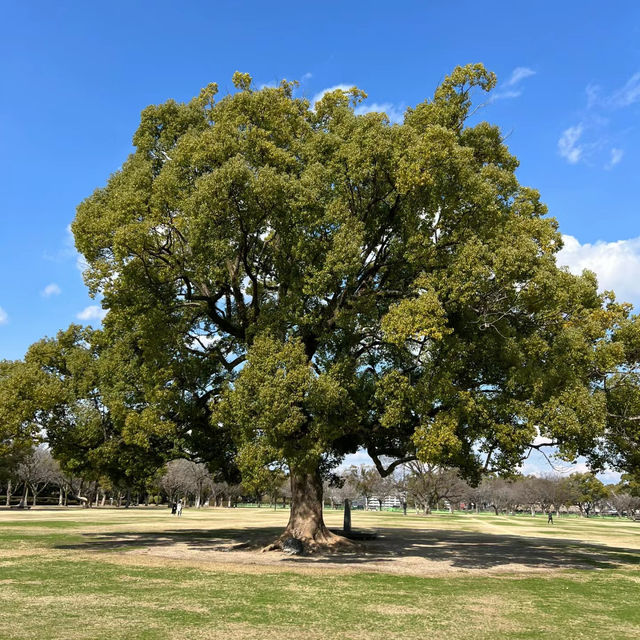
x,y
179,509
550,518
174,507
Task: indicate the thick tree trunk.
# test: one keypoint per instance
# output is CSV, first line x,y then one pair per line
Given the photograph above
x,y
305,517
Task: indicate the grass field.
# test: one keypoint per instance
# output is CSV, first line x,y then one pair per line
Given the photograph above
x,y
143,574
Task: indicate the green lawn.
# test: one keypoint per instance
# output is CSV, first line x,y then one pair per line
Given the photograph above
x,y
145,575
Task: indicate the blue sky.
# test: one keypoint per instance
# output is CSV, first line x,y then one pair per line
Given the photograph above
x,y
75,76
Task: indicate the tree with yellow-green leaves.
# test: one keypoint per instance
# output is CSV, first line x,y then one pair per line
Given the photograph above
x,y
317,281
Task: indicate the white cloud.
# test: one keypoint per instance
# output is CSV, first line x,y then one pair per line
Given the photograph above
x,y
512,87
568,146
321,94
626,95
92,312
595,121
395,114
51,290
4,316
617,264
506,94
361,457
616,157
518,74
593,95
306,76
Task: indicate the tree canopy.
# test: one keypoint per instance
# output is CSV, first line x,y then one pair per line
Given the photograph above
x,y
288,282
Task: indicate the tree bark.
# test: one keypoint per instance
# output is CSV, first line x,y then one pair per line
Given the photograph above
x,y
306,522
8,502
25,496
346,527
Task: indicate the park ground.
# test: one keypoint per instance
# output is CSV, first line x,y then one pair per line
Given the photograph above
x,y
142,574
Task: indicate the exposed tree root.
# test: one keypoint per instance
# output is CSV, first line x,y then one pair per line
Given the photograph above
x,y
321,540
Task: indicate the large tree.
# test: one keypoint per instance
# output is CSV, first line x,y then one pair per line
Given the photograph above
x,y
340,281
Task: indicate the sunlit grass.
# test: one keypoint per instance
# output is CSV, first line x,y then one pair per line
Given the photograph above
x,y
84,574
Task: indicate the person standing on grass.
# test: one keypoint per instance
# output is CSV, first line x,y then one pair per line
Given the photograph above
x,y
179,510
550,518
174,507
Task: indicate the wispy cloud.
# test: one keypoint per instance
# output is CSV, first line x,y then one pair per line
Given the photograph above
x,y
306,76
67,251
568,146
519,74
627,94
92,312
616,157
51,290
595,124
4,316
512,88
617,264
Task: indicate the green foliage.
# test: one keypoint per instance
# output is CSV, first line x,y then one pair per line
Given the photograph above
x,y
309,281
86,401
586,490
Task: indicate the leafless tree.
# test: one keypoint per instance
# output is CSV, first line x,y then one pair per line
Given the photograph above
x,y
36,472
430,484
185,479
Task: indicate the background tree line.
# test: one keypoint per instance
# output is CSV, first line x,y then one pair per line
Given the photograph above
x,y
36,475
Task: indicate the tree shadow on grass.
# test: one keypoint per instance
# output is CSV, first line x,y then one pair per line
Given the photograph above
x,y
472,550
195,539
459,549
